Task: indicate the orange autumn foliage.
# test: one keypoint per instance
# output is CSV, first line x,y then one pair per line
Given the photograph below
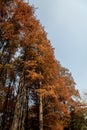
x,y
29,67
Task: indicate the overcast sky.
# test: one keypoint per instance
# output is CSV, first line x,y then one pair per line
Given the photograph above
x,y
65,21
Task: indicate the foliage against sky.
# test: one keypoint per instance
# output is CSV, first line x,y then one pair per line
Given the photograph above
x,y
29,71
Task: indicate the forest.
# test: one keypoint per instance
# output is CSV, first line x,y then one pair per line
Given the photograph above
x,y
36,91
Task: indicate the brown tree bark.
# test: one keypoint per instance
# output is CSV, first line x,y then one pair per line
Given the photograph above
x,y
20,109
40,113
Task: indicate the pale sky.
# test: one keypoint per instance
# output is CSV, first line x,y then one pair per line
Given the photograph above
x,y
65,21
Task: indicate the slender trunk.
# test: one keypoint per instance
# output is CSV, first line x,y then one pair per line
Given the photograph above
x,y
26,119
24,109
40,114
20,109
16,115
5,109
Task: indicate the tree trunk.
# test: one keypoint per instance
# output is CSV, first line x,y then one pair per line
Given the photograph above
x,y
40,114
16,115
20,109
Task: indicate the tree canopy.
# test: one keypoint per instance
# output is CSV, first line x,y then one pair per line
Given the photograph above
x,y
36,92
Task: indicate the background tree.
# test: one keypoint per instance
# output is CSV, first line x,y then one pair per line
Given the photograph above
x,y
78,120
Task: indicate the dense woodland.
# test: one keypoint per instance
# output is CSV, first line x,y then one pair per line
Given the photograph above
x,y
36,92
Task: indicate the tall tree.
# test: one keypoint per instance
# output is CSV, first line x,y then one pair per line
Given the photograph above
x,y
28,66
22,32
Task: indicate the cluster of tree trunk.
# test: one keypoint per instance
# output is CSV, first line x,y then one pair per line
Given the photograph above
x,y
36,92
